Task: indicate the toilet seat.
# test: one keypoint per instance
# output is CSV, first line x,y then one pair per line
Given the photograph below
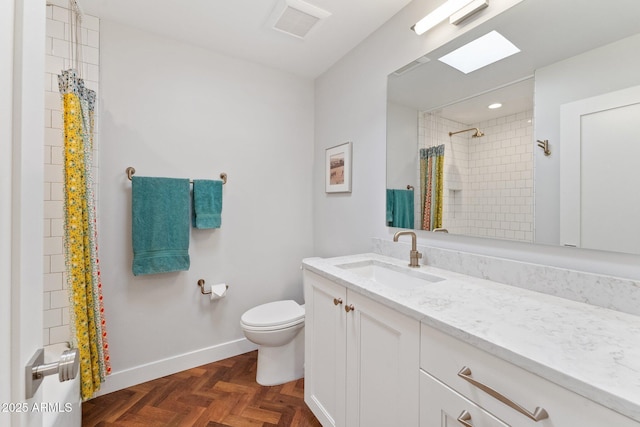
x,y
273,316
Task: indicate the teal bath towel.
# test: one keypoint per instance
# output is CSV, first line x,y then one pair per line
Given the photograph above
x,y
400,202
160,225
207,203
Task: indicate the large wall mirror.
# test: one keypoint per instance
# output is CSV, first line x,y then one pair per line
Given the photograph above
x,y
456,165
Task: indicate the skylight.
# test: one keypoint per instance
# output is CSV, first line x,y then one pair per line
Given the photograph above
x,y
485,50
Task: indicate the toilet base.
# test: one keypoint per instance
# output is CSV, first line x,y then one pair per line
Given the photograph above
x,y
279,365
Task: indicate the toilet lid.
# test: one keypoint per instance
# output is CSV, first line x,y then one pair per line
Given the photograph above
x,y
273,314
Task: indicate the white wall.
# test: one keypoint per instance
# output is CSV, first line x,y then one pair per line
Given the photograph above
x,y
351,104
402,156
171,109
609,68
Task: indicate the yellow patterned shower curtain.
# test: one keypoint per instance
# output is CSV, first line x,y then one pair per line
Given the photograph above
x,y
431,186
80,238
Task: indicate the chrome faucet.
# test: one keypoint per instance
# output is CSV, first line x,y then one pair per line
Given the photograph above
x,y
414,255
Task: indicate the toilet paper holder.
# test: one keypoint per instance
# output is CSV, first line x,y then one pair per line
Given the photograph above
x,y
210,291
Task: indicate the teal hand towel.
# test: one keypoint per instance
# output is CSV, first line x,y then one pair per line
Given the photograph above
x,y
207,203
403,216
390,197
160,225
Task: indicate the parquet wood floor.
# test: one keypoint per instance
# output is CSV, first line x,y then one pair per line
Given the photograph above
x,y
220,394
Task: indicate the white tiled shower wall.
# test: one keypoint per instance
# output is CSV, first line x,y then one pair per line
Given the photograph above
x,y
488,181
56,300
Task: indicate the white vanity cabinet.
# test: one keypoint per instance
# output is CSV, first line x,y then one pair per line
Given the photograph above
x,y
490,383
361,358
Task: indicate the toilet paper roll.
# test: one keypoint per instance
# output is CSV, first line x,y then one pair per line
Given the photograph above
x,y
219,291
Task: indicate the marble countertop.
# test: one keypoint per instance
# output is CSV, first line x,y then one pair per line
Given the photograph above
x,y
589,350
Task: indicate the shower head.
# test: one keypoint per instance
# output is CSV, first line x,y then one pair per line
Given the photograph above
x,y
477,134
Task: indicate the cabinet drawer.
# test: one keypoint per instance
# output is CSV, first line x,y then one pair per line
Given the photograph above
x,y
441,406
443,357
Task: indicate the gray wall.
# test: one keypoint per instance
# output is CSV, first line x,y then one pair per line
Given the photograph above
x,y
171,109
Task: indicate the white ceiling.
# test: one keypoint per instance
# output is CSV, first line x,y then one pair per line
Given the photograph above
x,y
239,28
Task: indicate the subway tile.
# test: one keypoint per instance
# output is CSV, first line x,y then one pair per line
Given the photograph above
x,y
52,101
55,29
47,82
57,263
91,23
52,282
52,245
46,264
45,337
57,156
93,73
66,317
46,191
53,173
57,227
60,48
59,299
60,334
60,14
56,116
53,209
52,317
47,118
46,300
57,191
53,64
46,228
90,55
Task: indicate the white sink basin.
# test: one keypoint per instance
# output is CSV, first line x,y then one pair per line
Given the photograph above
x,y
391,275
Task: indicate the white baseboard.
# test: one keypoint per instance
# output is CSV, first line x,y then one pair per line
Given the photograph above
x,y
160,368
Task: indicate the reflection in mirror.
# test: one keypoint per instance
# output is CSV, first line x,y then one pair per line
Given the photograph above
x,y
501,184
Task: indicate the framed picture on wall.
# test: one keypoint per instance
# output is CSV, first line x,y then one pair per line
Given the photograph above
x,y
338,169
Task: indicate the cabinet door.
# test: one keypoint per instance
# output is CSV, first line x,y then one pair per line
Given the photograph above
x,y
440,406
382,365
324,383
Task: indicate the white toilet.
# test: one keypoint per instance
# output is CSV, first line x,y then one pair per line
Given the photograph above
x,y
278,329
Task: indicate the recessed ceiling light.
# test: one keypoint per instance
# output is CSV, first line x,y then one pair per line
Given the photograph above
x,y
485,50
494,106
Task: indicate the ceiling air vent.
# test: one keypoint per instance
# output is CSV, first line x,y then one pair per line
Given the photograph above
x,y
296,17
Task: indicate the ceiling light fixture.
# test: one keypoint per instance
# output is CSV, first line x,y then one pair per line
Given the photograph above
x,y
494,106
467,11
485,50
438,15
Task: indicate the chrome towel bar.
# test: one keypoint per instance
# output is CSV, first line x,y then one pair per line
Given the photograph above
x,y
131,171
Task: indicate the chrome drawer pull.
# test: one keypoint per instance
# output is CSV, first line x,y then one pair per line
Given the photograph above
x,y
465,419
537,415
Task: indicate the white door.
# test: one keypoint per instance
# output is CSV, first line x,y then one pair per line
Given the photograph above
x,y
22,30
383,351
600,148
